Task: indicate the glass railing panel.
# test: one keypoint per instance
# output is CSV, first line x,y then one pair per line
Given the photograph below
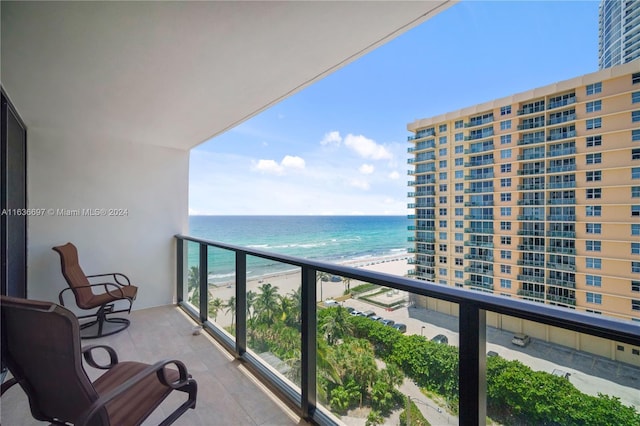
x,y
382,351
191,287
540,374
273,298
221,285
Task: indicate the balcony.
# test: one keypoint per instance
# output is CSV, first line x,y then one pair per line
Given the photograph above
x,y
478,203
561,283
530,217
560,185
562,234
478,244
531,278
531,110
479,122
561,266
478,217
486,258
561,218
477,270
531,202
534,263
531,232
531,140
530,247
561,201
531,187
561,250
531,294
561,152
561,135
562,119
562,169
479,176
479,230
561,103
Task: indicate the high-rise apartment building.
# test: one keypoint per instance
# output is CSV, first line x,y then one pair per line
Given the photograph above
x,y
619,32
536,195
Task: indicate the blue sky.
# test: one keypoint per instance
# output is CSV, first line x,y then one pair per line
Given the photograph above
x,y
340,146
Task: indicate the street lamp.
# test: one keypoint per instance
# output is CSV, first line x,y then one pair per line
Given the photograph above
x,y
422,331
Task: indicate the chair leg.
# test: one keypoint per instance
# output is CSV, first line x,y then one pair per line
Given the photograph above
x,y
103,326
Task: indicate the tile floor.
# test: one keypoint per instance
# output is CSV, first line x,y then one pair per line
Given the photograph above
x,y
228,395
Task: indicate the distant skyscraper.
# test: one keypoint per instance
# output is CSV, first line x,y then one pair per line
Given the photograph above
x,y
619,34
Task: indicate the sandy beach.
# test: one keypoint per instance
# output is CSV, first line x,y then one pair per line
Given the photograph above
x,y
289,282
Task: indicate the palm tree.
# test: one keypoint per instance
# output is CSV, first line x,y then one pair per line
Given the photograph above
x,y
336,326
347,284
266,302
193,278
214,306
251,301
296,299
231,308
320,277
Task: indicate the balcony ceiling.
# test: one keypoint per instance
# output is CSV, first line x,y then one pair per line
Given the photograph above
x,y
175,74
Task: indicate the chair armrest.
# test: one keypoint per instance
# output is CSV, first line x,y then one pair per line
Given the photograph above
x,y
6,385
117,291
87,352
115,276
156,368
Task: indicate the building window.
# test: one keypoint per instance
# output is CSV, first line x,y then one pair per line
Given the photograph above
x,y
505,182
635,286
442,236
635,306
635,116
459,236
458,174
594,262
594,193
635,191
505,168
442,259
505,196
442,224
505,125
459,249
505,226
635,135
594,176
505,283
459,199
593,245
635,267
594,228
442,175
442,187
635,154
442,247
635,97
459,149
594,106
593,210
505,211
505,153
635,229
505,269
505,254
635,78
443,272
442,128
459,212
635,248
442,164
458,137
505,240
459,224
442,212
458,162
635,210
442,152
594,141
505,110
458,274
442,140
594,281
594,298
459,124
594,88
635,173
459,186
594,123
505,139
594,158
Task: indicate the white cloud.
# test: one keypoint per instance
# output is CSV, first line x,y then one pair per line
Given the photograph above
x,y
366,169
359,183
331,138
367,148
269,166
394,175
272,167
293,162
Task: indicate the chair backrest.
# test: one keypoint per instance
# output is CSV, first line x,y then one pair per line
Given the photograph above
x,y
76,278
43,353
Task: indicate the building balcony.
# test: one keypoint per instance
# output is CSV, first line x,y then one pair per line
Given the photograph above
x,y
422,251
561,250
530,278
562,119
561,218
478,122
560,185
533,263
531,294
531,202
561,135
529,141
479,176
421,239
534,156
571,301
561,201
478,217
562,234
561,266
531,232
561,283
484,148
476,270
421,228
527,126
478,136
478,203
479,163
478,190
563,102
480,285
561,152
530,217
531,187
530,247
530,110
562,169
479,230
478,244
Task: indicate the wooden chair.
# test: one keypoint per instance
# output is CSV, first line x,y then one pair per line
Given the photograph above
x,y
41,347
118,288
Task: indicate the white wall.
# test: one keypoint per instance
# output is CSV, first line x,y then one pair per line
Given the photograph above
x,y
150,182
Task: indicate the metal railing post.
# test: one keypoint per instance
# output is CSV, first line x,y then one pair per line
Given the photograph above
x,y
472,381
309,348
241,303
179,270
203,285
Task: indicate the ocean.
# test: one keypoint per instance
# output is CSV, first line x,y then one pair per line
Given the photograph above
x,y
328,238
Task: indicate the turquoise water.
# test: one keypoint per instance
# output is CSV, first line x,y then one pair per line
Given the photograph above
x,y
326,238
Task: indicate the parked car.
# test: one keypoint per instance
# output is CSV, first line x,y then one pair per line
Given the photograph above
x,y
350,309
375,318
521,340
336,279
329,303
369,314
355,312
561,373
388,322
441,338
402,328
492,353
